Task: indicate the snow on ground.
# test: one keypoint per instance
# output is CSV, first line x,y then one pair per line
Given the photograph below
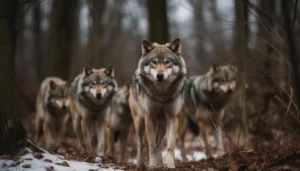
x,y
47,161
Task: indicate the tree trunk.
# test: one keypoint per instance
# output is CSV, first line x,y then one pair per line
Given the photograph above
x,y
37,41
292,49
241,54
97,9
61,34
158,21
11,128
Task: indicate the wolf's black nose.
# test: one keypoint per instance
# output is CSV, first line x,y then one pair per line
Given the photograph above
x,y
229,91
64,107
160,77
98,95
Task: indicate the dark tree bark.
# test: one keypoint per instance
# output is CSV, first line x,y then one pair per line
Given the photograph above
x,y
200,29
11,128
37,40
97,9
286,8
158,21
241,32
63,28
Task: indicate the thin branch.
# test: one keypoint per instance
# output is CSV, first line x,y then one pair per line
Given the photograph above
x,y
262,76
295,14
24,2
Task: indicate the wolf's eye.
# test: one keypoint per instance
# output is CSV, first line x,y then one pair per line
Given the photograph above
x,y
92,83
167,62
103,83
154,62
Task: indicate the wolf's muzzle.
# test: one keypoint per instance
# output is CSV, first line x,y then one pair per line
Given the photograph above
x,y
160,77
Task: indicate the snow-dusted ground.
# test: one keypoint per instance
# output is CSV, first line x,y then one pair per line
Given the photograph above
x,y
49,162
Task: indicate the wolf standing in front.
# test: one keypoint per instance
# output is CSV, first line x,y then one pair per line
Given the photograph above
x,y
52,111
156,97
91,93
205,97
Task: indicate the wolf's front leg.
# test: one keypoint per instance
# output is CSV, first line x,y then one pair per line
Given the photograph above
x,y
172,124
47,135
78,131
87,132
100,130
155,133
110,139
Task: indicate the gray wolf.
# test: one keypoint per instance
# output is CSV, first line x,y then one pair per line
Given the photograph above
x,y
52,111
156,97
205,96
119,122
90,99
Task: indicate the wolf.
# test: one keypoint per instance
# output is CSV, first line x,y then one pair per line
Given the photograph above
x,y
156,97
52,111
205,96
90,101
119,122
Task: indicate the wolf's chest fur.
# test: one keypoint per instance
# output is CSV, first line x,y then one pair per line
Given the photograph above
x,y
157,109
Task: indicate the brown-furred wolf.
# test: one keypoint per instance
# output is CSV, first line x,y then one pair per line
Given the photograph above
x,y
205,96
90,99
119,123
156,97
52,111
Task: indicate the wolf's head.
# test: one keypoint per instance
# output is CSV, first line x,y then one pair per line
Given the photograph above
x,y
58,95
98,84
223,78
161,63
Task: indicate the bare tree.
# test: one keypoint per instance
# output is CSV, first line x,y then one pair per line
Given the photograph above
x,y
37,40
11,128
241,32
63,30
158,21
97,9
286,7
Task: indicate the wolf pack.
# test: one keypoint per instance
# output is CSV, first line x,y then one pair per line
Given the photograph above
x,y
160,105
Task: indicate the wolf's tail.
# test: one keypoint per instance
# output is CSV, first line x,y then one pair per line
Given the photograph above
x,y
193,126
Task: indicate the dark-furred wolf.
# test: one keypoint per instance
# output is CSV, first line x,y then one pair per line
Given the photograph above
x,y
204,99
119,123
90,99
52,111
156,97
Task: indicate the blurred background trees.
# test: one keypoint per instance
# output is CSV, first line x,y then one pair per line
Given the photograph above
x,y
59,37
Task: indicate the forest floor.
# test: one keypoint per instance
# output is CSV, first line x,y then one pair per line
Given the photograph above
x,y
270,153
271,157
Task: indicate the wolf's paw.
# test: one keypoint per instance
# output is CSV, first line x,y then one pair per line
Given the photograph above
x,y
170,162
155,160
100,153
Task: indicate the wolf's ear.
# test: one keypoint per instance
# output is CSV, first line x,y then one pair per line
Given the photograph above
x,y
67,83
52,84
146,47
87,70
175,46
232,67
109,71
214,68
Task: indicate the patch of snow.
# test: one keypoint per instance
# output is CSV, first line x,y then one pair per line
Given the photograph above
x,y
28,162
